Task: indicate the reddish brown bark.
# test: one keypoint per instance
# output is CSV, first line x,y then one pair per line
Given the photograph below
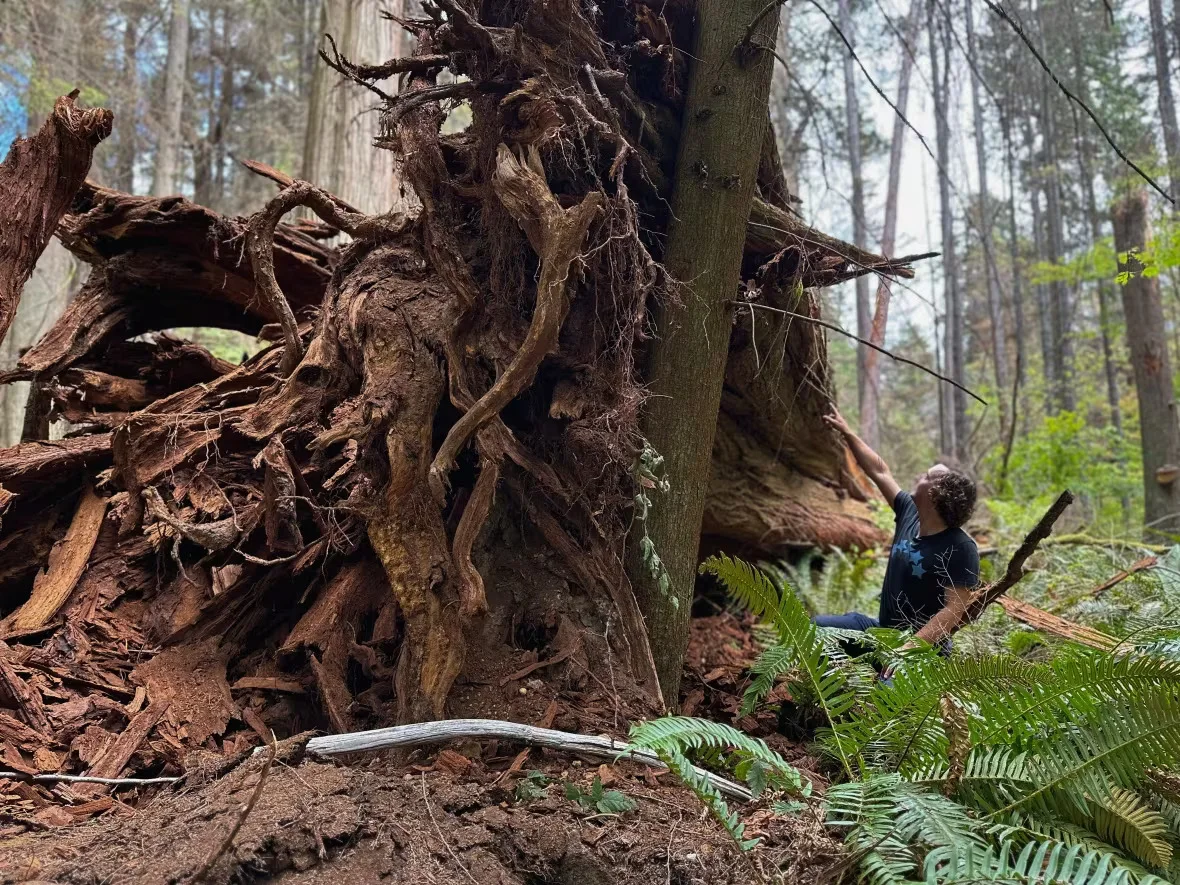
x,y
38,179
278,530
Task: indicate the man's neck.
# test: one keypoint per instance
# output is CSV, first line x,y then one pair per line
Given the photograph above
x,y
929,522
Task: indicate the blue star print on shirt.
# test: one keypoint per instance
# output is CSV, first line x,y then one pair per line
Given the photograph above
x,y
906,548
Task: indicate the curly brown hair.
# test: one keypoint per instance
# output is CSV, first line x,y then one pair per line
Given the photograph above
x,y
953,496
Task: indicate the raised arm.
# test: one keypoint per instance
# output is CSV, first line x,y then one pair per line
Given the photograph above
x,y
870,462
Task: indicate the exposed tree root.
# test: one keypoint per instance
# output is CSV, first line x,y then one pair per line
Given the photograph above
x,y
399,506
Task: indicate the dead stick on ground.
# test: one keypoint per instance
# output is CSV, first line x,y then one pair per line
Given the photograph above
x,y
438,829
246,809
1015,571
1138,566
421,733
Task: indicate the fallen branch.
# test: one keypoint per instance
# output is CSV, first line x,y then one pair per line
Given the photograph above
x,y
87,779
1015,571
487,729
1138,566
866,343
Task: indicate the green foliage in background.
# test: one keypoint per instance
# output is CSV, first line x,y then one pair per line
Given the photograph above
x,y
979,768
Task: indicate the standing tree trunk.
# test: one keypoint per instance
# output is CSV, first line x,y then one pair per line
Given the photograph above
x,y
164,181
338,150
864,317
1085,152
954,430
994,308
1146,330
721,138
1061,335
1014,252
870,418
127,143
1167,99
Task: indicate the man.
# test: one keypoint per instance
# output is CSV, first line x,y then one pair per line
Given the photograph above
x,y
933,564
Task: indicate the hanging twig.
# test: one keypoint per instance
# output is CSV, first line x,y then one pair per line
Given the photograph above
x,y
1012,23
866,343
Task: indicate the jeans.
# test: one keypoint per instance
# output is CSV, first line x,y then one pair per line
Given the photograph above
x,y
850,621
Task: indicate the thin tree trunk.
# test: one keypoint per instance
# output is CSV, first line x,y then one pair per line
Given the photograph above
x,y
954,436
1061,351
704,253
1159,432
870,400
864,319
1014,254
225,105
168,145
127,148
338,150
1167,100
999,342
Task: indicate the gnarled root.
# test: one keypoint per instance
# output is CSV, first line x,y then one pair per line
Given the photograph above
x,y
410,540
556,235
260,246
472,599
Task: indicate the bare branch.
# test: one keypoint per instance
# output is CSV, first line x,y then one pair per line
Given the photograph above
x,y
845,332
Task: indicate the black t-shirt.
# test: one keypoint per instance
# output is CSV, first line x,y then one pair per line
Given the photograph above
x,y
922,568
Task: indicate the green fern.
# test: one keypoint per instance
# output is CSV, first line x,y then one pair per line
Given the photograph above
x,y
672,738
1051,863
1124,819
1062,772
787,615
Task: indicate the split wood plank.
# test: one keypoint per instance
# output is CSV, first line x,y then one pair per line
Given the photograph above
x,y
38,179
67,561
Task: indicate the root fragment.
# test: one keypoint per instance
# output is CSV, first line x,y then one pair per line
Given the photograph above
x,y
260,246
472,598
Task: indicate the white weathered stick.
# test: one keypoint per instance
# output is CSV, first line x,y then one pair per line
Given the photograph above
x,y
85,779
485,729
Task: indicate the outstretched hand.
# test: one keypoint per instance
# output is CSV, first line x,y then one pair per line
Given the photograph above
x,y
836,421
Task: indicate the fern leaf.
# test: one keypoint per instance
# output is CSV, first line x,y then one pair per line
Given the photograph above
x,y
1115,748
1126,820
790,619
1046,862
